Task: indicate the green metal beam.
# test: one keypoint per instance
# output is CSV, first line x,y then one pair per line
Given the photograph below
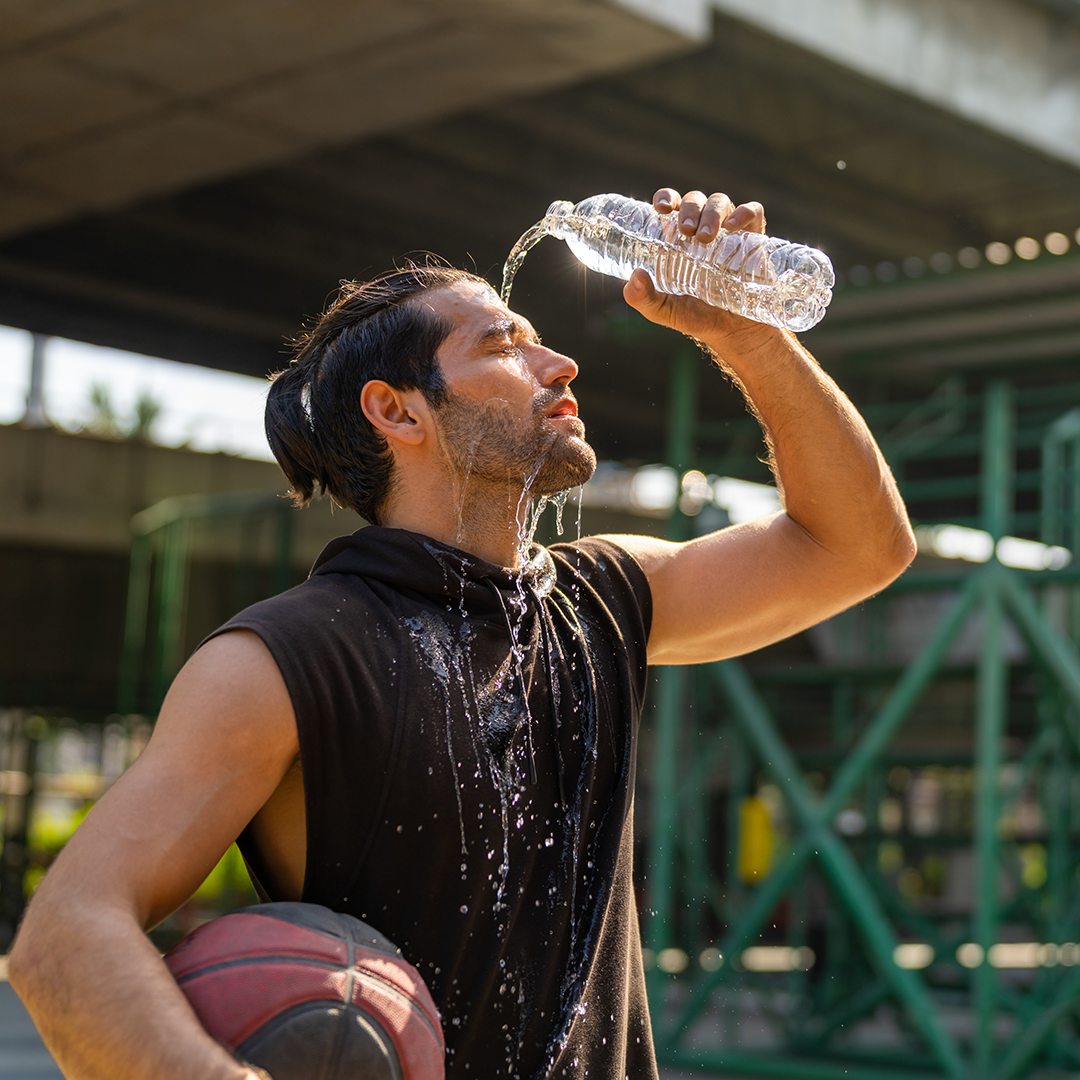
x,y
172,593
135,624
1064,430
998,460
990,729
671,693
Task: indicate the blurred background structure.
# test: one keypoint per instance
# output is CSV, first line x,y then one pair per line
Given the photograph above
x,y
859,848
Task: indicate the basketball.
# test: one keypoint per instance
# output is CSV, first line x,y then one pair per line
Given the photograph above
x,y
304,992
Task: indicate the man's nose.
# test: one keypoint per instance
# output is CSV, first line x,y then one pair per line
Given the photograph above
x,y
552,368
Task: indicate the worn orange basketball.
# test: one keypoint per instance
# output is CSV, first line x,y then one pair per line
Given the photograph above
x,y
304,992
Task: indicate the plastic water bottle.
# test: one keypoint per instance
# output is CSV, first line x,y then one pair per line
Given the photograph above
x,y
769,280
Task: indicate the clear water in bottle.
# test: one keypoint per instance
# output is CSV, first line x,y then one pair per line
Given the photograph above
x,y
766,279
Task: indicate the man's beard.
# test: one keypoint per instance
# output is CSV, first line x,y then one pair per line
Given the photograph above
x,y
486,443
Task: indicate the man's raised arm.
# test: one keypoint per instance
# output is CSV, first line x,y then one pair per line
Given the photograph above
x,y
96,987
843,533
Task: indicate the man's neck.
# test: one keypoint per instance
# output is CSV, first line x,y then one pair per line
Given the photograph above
x,y
488,521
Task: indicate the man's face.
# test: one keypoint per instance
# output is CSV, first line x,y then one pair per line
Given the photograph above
x,y
510,415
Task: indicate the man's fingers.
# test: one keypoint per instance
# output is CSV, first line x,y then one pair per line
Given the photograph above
x,y
702,217
693,202
749,217
717,208
666,200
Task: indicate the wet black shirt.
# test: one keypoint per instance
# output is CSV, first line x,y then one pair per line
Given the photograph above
x,y
468,740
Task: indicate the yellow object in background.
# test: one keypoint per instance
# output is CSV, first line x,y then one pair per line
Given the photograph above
x,y
755,840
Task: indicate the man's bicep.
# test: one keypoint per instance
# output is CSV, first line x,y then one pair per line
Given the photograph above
x,y
225,737
738,589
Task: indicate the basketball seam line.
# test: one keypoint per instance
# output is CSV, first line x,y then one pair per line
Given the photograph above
x,y
350,984
248,960
245,961
345,934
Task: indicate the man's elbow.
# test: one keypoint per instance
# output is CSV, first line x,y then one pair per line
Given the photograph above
x,y
893,554
24,960
48,931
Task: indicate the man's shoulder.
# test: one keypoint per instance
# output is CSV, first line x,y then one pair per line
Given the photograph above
x,y
319,607
605,567
597,557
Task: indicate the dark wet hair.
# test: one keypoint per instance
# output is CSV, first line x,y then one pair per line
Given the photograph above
x,y
316,428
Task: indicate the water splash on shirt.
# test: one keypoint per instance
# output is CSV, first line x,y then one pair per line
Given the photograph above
x,y
433,637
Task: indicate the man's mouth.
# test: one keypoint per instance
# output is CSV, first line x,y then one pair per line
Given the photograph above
x,y
567,407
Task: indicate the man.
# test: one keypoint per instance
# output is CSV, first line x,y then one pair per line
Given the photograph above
x,y
437,731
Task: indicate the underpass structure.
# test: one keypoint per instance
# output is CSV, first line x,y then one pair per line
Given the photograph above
x,y
860,846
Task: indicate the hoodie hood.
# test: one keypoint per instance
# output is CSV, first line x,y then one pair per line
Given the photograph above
x,y
415,563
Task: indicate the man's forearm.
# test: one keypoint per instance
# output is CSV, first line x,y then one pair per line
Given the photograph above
x,y
834,481
106,1005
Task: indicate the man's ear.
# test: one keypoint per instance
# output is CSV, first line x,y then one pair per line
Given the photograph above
x,y
401,415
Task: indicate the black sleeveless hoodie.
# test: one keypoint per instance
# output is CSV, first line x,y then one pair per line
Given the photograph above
x,y
468,742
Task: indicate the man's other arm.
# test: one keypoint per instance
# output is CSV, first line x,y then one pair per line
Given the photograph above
x,y
843,533
104,1002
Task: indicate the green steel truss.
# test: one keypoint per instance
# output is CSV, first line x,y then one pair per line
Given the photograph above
x,y
722,730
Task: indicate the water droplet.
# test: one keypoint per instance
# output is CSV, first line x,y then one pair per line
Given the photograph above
x,y
464,909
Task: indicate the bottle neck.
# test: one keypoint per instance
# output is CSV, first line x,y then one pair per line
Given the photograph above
x,y
560,220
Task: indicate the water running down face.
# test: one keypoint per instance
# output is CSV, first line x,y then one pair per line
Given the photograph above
x,y
509,416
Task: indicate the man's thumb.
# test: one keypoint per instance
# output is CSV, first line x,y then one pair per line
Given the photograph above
x,y
639,292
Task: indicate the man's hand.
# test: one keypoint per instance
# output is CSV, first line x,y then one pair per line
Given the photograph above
x,y
843,534
701,219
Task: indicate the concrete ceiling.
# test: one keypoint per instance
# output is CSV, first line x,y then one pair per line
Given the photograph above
x,y
103,102
452,134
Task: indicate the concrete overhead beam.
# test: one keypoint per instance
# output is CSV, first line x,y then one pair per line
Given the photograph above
x,y
105,102
1010,65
